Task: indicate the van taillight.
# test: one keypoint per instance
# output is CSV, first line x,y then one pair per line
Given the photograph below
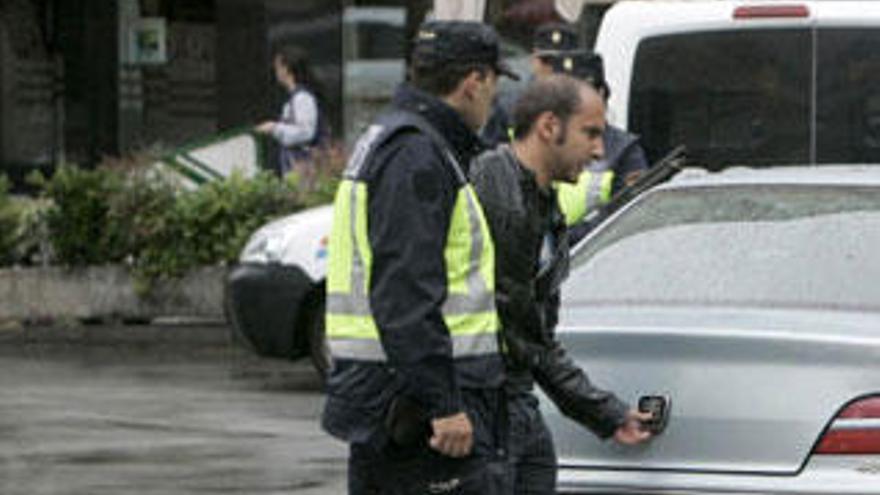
x,y
770,11
856,430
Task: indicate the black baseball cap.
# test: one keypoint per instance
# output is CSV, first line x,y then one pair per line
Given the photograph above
x,y
582,64
553,38
439,43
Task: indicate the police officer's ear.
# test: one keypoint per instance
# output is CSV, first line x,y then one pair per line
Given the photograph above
x,y
470,84
473,82
540,65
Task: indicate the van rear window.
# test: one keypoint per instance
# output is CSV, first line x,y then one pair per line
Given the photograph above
x,y
733,97
848,92
744,97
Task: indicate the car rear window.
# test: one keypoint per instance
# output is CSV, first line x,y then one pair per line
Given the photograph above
x,y
777,246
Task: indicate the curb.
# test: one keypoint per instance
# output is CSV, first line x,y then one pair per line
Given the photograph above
x,y
48,310
190,336
106,293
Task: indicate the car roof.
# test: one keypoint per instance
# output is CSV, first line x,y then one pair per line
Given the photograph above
x,y
813,175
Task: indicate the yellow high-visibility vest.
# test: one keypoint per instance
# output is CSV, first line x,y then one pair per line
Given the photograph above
x,y
469,310
592,190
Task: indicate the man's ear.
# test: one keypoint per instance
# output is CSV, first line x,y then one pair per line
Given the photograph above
x,y
548,126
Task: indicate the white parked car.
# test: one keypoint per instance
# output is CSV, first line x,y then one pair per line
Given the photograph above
x,y
275,294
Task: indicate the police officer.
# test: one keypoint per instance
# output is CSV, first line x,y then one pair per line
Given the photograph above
x,y
558,126
623,155
411,320
549,40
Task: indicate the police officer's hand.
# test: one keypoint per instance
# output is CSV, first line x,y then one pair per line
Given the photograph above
x,y
453,435
632,177
631,431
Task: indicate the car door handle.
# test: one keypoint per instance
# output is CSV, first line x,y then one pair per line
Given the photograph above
x,y
660,407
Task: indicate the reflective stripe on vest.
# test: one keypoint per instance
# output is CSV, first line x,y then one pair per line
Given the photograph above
x,y
469,309
591,190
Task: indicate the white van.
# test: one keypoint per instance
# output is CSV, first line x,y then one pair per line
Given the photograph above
x,y
748,83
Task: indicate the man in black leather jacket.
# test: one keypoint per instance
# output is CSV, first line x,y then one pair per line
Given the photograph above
x,y
559,123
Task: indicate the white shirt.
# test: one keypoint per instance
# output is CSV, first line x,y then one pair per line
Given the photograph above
x,y
299,120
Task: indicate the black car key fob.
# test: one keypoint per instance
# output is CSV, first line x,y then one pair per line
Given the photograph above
x,y
659,406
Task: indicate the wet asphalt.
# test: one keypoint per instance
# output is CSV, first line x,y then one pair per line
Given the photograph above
x,y
170,410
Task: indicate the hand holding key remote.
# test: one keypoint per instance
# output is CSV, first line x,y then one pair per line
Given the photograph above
x,y
632,432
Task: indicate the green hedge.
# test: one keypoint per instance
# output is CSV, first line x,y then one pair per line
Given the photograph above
x,y
9,223
78,219
131,216
207,226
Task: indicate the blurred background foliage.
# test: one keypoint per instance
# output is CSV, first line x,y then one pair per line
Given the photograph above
x,y
125,213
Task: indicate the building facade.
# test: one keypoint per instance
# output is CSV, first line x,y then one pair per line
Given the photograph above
x,y
84,79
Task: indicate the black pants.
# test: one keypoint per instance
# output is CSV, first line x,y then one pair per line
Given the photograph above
x,y
531,462
391,469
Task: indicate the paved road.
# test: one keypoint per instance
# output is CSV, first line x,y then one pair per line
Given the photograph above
x,y
79,419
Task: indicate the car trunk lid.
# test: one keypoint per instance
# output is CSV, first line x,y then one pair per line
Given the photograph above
x,y
751,389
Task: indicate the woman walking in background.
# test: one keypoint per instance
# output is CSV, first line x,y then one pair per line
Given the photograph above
x,y
300,128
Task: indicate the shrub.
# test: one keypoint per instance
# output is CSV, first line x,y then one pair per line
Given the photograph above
x,y
77,220
126,214
9,223
211,224
140,214
32,245
22,235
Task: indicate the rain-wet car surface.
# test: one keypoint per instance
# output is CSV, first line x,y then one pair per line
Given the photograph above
x,y
749,298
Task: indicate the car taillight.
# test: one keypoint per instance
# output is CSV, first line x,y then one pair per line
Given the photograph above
x,y
856,430
770,11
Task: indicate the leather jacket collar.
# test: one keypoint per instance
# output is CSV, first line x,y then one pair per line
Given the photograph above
x,y
527,179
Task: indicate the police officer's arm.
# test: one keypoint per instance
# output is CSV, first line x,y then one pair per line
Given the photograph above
x,y
632,161
412,197
569,387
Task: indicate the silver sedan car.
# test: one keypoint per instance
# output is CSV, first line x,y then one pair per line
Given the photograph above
x,y
745,307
